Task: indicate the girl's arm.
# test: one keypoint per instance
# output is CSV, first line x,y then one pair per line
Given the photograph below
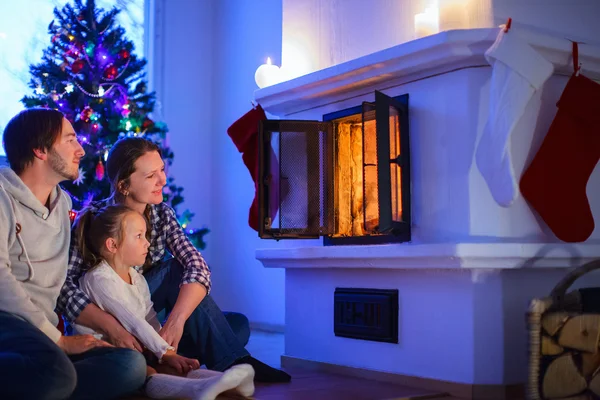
x,y
103,291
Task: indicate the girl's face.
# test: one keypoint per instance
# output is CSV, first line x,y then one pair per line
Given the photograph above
x,y
134,246
148,180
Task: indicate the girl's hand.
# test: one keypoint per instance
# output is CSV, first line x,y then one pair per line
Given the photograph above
x,y
181,364
172,332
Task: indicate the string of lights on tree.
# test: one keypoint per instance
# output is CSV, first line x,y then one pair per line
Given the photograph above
x,y
90,73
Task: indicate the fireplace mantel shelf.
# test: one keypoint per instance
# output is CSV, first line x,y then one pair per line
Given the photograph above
x,y
432,256
418,59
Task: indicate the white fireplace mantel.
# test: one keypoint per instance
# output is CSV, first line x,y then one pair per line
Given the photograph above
x,y
432,256
418,59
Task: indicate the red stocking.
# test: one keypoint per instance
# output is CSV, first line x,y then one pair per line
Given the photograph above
x,y
555,182
243,130
250,158
244,133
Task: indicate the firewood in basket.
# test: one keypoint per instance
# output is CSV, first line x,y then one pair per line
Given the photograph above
x,y
580,397
595,384
562,378
552,322
581,332
589,364
550,347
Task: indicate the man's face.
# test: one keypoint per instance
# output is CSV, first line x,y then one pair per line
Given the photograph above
x,y
65,154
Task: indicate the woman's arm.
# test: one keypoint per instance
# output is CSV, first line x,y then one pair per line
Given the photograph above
x,y
196,278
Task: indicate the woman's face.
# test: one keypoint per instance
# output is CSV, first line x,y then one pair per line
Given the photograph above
x,y
148,180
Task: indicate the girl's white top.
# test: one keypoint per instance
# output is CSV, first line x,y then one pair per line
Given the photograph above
x,y
130,304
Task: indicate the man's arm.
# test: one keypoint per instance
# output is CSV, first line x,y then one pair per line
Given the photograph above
x,y
13,298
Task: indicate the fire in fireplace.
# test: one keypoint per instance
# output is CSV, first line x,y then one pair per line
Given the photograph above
x,y
346,178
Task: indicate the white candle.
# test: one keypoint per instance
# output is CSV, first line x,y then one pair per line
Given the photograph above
x,y
454,14
427,23
267,74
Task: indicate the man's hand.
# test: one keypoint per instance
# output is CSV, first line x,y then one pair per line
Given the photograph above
x,y
181,364
80,343
172,332
119,337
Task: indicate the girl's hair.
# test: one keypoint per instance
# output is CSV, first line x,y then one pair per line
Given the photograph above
x,y
120,163
92,228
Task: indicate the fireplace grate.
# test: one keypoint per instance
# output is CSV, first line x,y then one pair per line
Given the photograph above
x,y
366,314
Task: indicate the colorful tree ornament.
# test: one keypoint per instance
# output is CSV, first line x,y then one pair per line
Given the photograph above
x,y
77,66
99,170
110,72
86,114
123,54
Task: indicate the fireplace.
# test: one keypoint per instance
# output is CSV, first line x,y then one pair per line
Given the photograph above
x,y
346,178
465,279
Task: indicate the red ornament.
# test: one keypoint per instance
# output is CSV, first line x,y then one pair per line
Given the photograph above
x,y
72,215
124,54
110,72
77,66
86,114
99,170
147,124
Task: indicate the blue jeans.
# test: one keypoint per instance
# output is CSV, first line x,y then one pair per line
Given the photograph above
x,y
33,367
214,338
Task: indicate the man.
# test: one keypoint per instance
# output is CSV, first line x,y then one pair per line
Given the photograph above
x,y
36,360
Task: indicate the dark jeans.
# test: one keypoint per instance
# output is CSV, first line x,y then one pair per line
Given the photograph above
x,y
209,335
34,367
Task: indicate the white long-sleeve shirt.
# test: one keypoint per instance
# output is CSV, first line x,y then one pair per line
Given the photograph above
x,y
130,304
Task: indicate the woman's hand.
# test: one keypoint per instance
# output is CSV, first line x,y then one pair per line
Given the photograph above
x,y
80,343
181,364
172,331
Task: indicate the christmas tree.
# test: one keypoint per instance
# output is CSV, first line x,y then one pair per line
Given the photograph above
x,y
90,73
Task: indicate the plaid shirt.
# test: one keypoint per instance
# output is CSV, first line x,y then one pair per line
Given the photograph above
x,y
166,234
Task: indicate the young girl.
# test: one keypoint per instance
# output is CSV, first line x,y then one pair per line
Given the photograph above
x,y
113,240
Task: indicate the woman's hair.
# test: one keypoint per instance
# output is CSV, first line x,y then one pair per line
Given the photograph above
x,y
120,163
34,128
92,228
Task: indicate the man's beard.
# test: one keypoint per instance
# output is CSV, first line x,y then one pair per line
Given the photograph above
x,y
60,166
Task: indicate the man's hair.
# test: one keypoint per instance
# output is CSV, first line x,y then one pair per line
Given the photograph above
x,y
34,128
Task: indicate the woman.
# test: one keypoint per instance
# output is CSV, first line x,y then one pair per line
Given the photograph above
x,y
180,286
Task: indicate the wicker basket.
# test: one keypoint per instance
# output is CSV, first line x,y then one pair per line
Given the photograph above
x,y
564,329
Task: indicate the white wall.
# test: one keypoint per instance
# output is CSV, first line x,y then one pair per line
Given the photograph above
x,y
246,32
205,54
321,33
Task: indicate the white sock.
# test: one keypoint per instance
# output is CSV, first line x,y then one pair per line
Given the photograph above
x,y
163,386
518,71
246,386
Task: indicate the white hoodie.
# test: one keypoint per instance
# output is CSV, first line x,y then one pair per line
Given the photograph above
x,y
33,262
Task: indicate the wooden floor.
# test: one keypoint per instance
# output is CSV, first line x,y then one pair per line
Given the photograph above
x,y
312,385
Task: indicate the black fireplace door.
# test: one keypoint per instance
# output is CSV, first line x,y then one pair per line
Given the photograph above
x,y
295,183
